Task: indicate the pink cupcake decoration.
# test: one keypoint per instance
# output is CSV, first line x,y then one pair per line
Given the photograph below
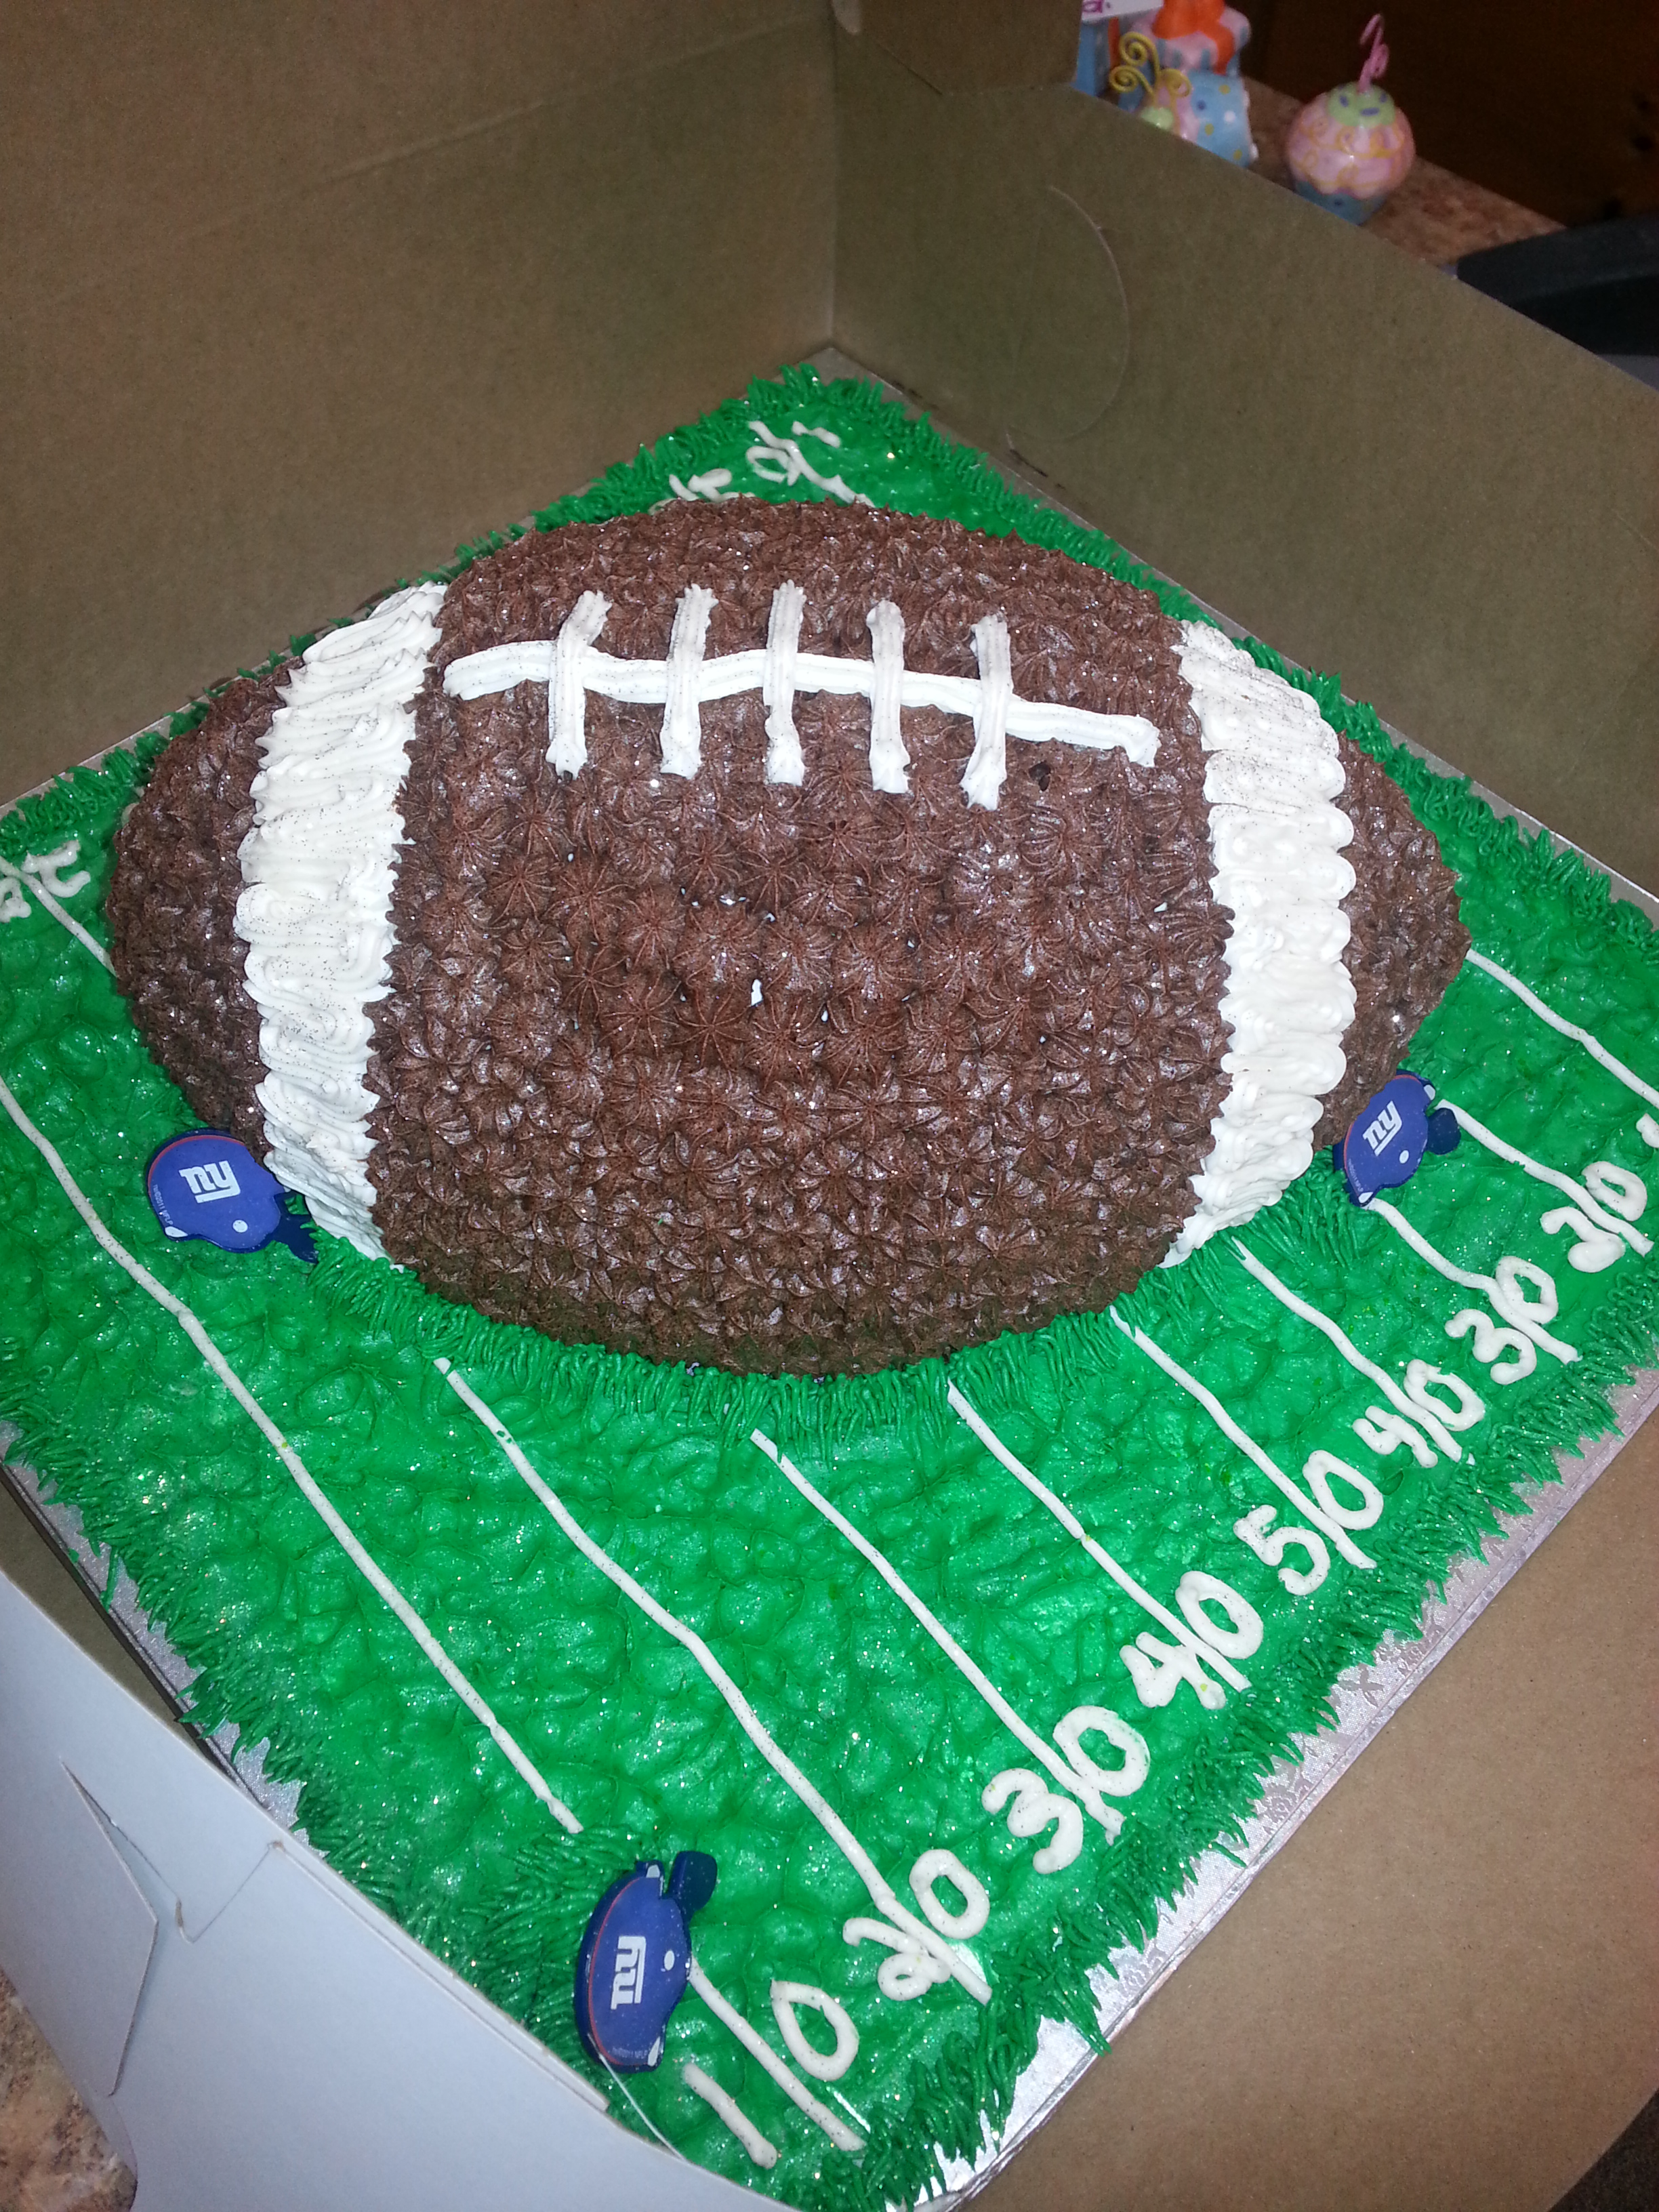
x,y
1349,149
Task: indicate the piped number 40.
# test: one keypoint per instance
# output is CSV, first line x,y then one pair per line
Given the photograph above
x,y
1203,1648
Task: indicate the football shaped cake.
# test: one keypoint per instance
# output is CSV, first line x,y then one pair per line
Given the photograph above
x,y
789,938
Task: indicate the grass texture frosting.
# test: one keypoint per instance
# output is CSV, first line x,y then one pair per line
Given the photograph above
x,y
956,1669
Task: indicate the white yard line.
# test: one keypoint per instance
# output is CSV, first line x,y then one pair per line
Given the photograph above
x,y
314,1495
1102,1557
1351,1352
1597,1051
759,2049
1332,1530
34,886
881,1892
1021,1729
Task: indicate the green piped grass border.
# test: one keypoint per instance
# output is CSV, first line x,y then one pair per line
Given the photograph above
x,y
976,2073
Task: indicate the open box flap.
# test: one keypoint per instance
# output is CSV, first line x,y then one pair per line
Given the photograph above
x,y
333,2062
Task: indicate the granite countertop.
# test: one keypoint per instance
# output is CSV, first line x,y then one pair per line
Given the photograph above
x,y
1433,216
52,2157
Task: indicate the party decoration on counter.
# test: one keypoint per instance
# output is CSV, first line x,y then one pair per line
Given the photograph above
x,y
1178,67
1202,35
1096,49
210,1186
1351,148
1390,1135
1143,85
635,1959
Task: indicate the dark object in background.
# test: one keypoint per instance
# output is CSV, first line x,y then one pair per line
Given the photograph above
x,y
1598,286
1626,2179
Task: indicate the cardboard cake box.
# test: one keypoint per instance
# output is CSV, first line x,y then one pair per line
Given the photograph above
x,y
295,311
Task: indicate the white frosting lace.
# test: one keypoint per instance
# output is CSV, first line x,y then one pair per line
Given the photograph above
x,y
318,868
571,665
1272,772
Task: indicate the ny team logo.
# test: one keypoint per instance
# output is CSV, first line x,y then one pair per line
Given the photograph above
x,y
211,1180
627,1982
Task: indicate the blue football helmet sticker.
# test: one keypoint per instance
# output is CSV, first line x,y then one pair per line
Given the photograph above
x,y
208,1186
1389,1136
634,1957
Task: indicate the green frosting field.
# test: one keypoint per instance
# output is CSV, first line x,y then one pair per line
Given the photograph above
x,y
405,1792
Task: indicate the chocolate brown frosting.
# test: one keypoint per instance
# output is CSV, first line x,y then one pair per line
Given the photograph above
x,y
172,908
1407,943
981,1069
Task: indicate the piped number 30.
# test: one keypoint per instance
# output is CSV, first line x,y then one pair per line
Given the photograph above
x,y
1036,1807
